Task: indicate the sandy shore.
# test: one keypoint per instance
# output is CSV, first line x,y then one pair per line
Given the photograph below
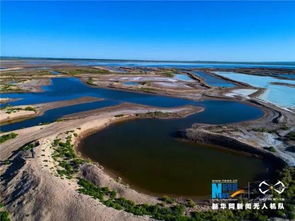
x,y
21,112
90,120
53,197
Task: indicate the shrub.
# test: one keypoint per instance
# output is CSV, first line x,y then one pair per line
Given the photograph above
x,y
30,146
4,216
6,137
190,203
270,148
291,135
167,199
30,109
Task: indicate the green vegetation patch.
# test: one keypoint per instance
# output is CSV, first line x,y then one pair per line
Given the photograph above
x,y
176,211
31,146
291,135
119,115
66,157
107,197
170,210
4,216
154,114
90,81
10,110
10,88
271,149
78,71
6,137
26,72
264,130
168,73
147,89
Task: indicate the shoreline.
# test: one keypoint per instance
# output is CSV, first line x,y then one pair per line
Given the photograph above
x,y
42,156
36,169
38,109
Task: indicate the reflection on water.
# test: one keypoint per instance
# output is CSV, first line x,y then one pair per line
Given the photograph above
x,y
277,94
70,88
182,77
55,114
213,81
143,151
153,161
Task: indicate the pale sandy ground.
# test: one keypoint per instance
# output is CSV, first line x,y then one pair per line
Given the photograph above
x,y
11,69
274,118
241,92
93,121
26,83
138,78
33,85
261,140
173,85
4,100
34,192
154,80
40,109
4,117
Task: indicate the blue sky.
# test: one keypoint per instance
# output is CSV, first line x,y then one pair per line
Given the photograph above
x,y
205,30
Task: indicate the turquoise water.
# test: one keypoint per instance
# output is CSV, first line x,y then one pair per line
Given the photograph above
x,y
213,81
288,76
278,94
182,77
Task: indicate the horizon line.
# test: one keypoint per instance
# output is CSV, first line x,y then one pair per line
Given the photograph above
x,y
146,60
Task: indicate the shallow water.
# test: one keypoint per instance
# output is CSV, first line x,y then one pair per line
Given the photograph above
x,y
213,81
70,88
131,83
278,94
288,76
182,77
55,114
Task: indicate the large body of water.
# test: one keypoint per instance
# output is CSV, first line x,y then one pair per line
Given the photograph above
x,y
146,155
176,64
144,152
281,95
70,88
